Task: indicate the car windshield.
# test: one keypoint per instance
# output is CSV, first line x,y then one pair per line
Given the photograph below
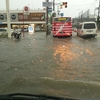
x,y
45,52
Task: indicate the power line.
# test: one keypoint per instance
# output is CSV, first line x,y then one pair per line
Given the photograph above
x,y
81,5
92,4
89,7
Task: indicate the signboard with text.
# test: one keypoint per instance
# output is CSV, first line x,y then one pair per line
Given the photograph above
x,y
49,9
32,17
15,17
46,4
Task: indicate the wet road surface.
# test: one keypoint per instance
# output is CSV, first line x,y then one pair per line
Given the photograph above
x,y
68,67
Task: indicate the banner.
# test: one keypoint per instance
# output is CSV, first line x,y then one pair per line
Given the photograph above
x,y
31,29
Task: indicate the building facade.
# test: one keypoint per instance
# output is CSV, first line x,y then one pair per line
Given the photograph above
x,y
20,20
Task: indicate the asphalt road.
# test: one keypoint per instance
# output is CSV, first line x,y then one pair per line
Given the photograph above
x,y
67,67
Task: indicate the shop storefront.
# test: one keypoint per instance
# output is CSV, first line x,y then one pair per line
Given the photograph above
x,y
19,20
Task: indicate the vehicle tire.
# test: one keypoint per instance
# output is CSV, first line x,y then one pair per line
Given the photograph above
x,y
54,36
77,34
70,35
81,36
17,36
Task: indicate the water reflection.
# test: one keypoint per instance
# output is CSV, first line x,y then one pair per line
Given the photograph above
x,y
64,53
74,62
89,52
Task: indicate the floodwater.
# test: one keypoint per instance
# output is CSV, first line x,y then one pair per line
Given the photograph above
x,y
65,67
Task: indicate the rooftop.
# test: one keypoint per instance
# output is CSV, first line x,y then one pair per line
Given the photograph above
x,y
20,11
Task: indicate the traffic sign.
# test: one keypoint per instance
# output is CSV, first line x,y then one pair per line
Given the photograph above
x,y
47,4
49,9
26,13
62,14
26,10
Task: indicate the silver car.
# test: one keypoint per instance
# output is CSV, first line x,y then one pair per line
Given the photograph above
x,y
37,28
3,31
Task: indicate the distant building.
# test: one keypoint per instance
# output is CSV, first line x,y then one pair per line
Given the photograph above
x,y
91,16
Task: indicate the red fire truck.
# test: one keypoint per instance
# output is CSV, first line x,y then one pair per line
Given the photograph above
x,y
61,26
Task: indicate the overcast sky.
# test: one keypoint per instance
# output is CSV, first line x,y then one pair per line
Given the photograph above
x,y
73,9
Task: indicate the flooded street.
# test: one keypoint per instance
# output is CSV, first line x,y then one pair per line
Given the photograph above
x,y
36,64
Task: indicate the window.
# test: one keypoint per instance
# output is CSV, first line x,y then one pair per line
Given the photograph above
x,y
89,26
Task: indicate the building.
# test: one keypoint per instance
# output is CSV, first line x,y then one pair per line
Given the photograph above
x,y
20,20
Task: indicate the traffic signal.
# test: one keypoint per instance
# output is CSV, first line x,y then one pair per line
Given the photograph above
x,y
61,5
65,4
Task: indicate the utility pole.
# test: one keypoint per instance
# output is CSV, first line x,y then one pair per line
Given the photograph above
x,y
8,19
98,14
54,5
82,16
54,14
79,16
99,8
47,29
57,10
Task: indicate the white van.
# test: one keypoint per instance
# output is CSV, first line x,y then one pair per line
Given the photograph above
x,y
87,29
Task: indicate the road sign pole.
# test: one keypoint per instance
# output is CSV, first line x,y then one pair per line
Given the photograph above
x,y
47,19
25,11
23,23
8,19
54,5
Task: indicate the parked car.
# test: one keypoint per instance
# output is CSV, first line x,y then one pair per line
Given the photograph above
x,y
19,30
25,29
37,28
3,31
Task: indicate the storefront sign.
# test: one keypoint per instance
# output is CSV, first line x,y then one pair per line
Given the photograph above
x,y
13,17
32,17
2,17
